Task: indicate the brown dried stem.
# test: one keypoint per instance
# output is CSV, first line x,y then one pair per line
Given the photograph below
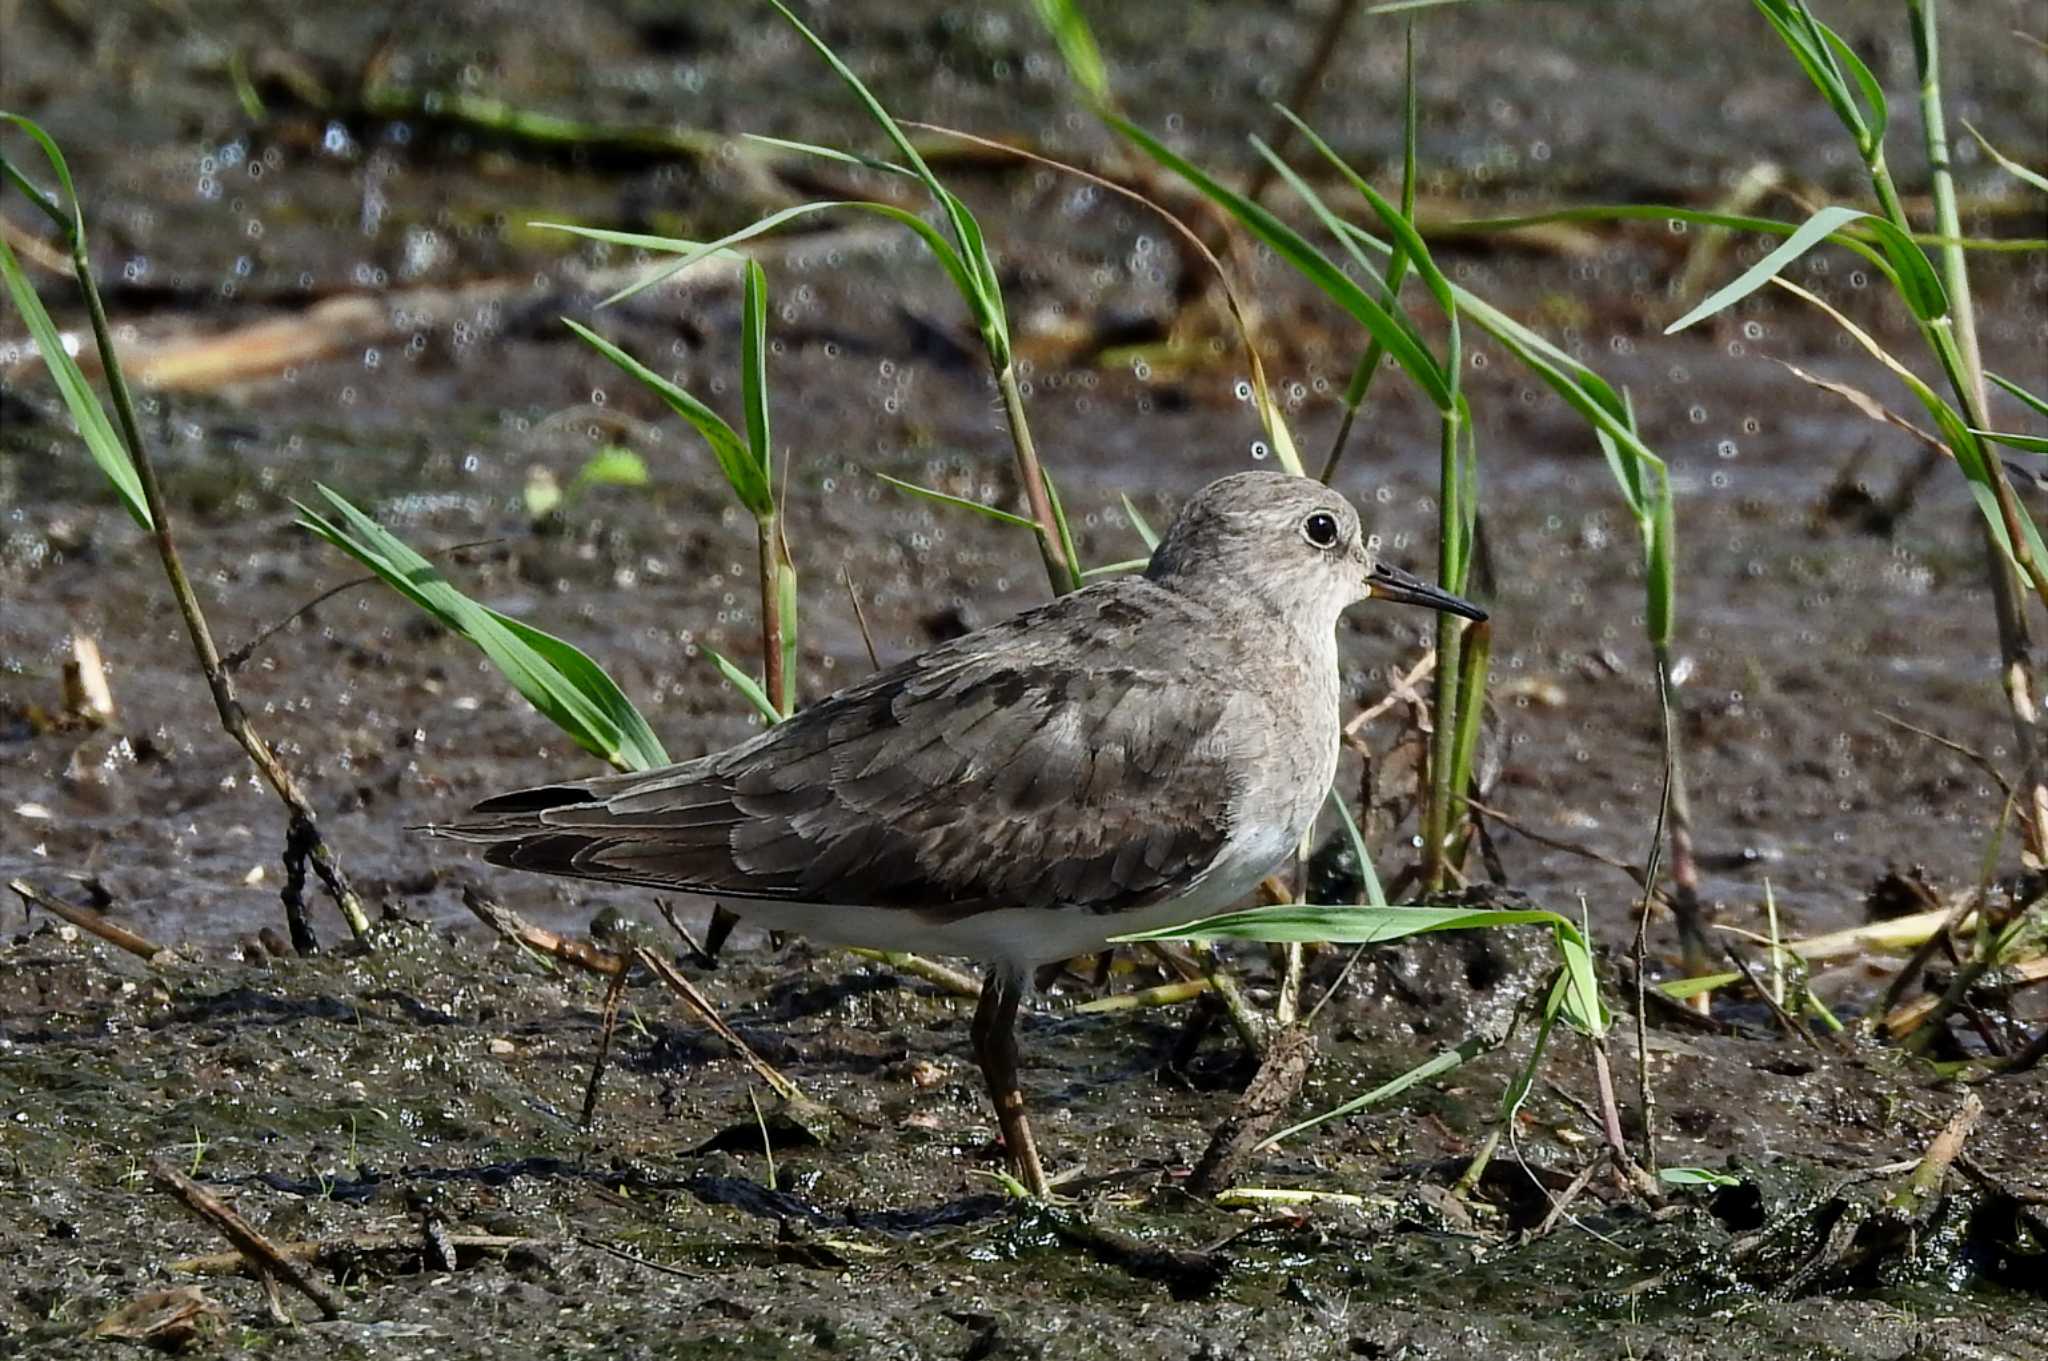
x,y
264,1257
303,842
85,919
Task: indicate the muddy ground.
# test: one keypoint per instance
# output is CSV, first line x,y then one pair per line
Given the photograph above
x,y
439,1077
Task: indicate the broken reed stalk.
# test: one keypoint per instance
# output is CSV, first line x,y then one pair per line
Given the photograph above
x,y
610,965
778,589
85,919
607,1025
341,1252
264,1257
303,842
1916,1195
1285,1067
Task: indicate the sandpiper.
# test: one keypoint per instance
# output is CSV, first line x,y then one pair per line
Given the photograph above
x,y
1137,754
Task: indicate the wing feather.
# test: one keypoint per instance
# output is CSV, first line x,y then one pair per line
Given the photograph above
x,y
1046,760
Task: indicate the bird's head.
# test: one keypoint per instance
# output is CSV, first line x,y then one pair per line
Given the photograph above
x,y
1289,543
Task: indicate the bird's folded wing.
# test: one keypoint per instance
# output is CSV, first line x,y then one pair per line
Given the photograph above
x,y
960,781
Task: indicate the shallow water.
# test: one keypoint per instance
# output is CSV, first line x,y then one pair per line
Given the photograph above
x,y
1800,632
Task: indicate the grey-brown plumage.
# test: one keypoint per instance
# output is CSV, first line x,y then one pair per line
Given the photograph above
x,y
1136,753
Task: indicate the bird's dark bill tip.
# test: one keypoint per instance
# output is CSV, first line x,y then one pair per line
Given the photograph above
x,y
1391,583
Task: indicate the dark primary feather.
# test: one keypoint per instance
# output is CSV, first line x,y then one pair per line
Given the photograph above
x,y
1048,759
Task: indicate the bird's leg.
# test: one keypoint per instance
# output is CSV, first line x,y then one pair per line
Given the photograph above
x,y
995,1049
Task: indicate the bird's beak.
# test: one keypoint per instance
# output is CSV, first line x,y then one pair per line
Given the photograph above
x,y
1391,583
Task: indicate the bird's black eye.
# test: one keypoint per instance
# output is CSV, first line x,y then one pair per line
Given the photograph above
x,y
1320,529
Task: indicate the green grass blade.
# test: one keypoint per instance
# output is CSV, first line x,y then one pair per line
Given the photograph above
x,y
1076,42
1876,111
982,298
2038,405
1678,989
555,677
1059,519
667,245
1408,242
83,403
749,480
1349,925
746,685
867,99
2012,167
71,223
2033,444
961,502
1802,35
1695,1176
754,371
1310,262
1334,225
1375,896
833,154
1815,230
1429,1069
1139,523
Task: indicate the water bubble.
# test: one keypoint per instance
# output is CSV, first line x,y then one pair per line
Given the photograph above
x,y
1243,390
1697,414
1259,449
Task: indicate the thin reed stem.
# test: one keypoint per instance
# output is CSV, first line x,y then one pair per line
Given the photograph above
x,y
1064,575
1436,820
778,583
303,841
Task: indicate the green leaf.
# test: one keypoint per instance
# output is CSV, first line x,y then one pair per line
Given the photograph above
x,y
2012,167
1815,230
754,369
667,245
833,154
1814,46
1139,523
1448,1061
1070,32
1577,995
2039,406
72,224
94,426
554,676
612,466
749,481
745,684
1876,111
1678,989
2033,444
1311,263
1695,1176
983,298
1374,894
84,404
979,508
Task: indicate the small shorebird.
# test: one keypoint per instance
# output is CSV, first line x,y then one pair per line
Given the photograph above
x,y
1137,754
